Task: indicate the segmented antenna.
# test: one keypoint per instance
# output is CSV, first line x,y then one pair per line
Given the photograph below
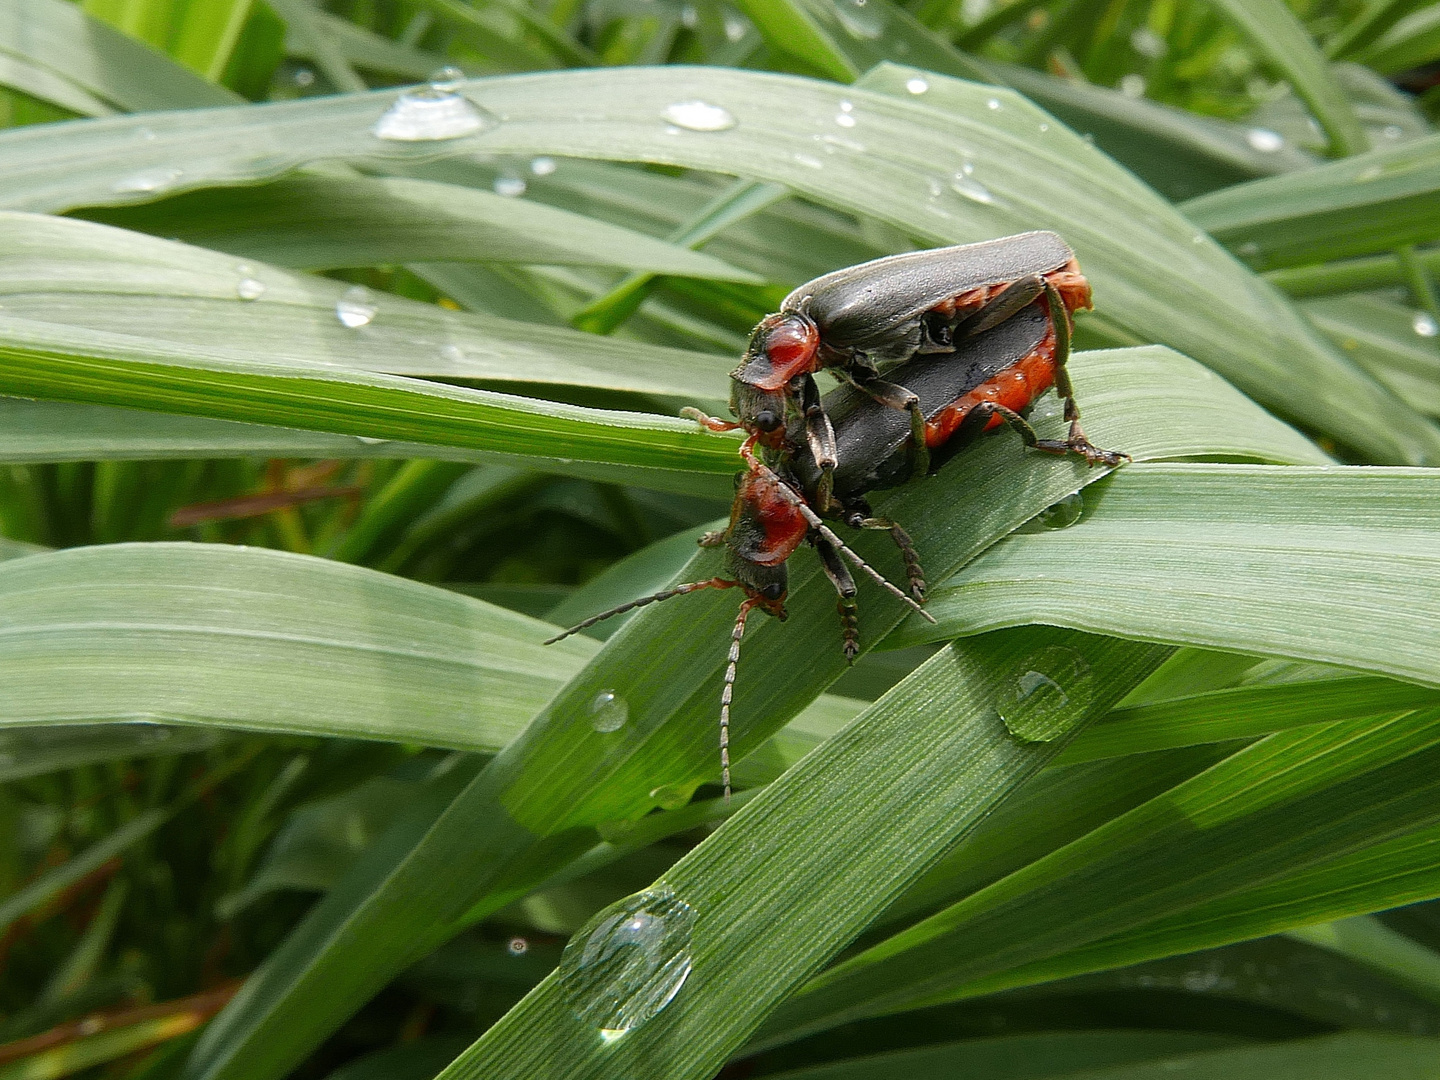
x,y
728,691
678,590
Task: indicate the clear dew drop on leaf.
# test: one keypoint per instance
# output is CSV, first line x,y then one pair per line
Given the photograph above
x,y
356,308
148,180
698,116
608,711
432,113
1045,694
628,963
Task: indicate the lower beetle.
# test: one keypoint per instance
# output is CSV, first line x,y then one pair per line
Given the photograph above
x,y
769,520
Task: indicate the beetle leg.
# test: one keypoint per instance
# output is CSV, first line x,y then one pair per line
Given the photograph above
x,y
1077,443
839,575
858,516
820,436
1011,300
705,420
897,397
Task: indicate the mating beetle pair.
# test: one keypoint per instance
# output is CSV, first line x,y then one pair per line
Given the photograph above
x,y
933,348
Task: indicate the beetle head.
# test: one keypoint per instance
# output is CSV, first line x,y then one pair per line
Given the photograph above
x,y
762,413
783,346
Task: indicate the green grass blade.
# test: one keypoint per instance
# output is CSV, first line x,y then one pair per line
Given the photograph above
x,y
788,26
1394,343
1153,279
1413,42
911,791
1274,32
320,221
1336,565
1366,204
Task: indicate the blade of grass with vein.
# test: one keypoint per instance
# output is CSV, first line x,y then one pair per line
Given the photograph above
x,y
101,60
1337,565
1153,279
1274,32
1279,806
1348,275
908,791
1366,204
47,85
323,221
82,274
1411,43
70,364
562,776
1246,712
1370,24
1393,342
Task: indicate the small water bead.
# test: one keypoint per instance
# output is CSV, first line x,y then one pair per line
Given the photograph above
x,y
847,106
1424,324
1063,514
1133,85
845,120
972,189
303,78
1265,140
937,187
808,161
736,27
356,308
608,712
689,17
830,142
1045,694
453,353
370,440
1044,128
993,104
248,288
1392,131
1370,172
517,946
145,134
1148,43
509,185
149,180
446,80
917,85
699,116
629,961
860,20
431,114
672,796
1249,249
543,166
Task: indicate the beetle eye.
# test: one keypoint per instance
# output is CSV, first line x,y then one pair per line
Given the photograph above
x,y
773,591
766,420
792,341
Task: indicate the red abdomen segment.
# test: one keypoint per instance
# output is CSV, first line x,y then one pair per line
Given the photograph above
x,y
1074,290
766,525
1015,388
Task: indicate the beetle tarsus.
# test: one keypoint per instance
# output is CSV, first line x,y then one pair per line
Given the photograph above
x,y
708,422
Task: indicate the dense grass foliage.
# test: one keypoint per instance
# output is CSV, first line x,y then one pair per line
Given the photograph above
x,y
342,351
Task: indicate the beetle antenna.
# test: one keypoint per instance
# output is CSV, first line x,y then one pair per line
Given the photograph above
x,y
729,689
666,594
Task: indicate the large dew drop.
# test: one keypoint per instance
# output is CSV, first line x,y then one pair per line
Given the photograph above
x,y
1046,694
1265,140
432,113
1063,514
608,711
699,116
1424,324
628,962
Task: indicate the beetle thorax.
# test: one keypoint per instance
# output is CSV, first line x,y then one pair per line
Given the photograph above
x,y
782,347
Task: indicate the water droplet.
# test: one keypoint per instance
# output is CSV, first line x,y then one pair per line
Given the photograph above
x,y
356,308
517,946
145,134
845,120
1063,514
689,17
1132,85
628,962
1147,43
509,185
1046,694
972,189
430,114
831,141
937,188
916,85
1424,324
993,104
608,712
735,27
1265,140
148,180
699,116
1198,238
370,440
303,78
453,353
1248,249
446,80
1392,131
1044,128
672,796
543,166
847,106
249,288
1088,138
808,161
1370,172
